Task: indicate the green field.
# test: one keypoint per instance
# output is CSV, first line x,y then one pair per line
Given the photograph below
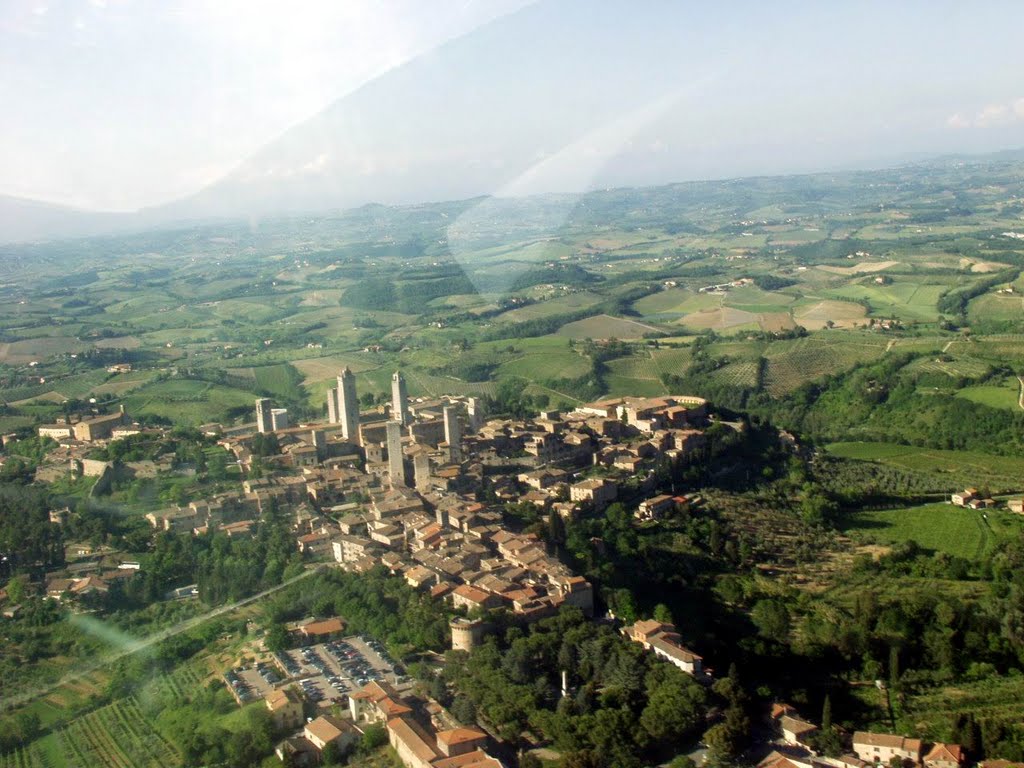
x,y
940,527
996,307
1002,473
1004,395
553,306
606,327
909,301
279,380
911,457
186,401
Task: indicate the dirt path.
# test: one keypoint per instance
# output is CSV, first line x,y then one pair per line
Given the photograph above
x,y
1020,397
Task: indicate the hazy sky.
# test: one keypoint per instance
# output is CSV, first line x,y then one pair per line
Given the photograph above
x,y
120,104
126,103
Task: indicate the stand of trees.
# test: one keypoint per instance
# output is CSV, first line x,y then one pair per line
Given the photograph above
x,y
625,707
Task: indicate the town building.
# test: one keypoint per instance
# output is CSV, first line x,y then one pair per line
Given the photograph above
x,y
98,427
285,707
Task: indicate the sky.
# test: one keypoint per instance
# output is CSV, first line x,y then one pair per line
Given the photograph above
x,y
120,104
124,104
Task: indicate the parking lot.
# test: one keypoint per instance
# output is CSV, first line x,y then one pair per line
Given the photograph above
x,y
328,672
252,683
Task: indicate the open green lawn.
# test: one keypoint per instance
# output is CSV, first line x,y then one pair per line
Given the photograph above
x,y
1005,395
941,527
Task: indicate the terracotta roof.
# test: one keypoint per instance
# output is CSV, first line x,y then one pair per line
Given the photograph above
x,y
796,726
778,760
327,728
475,759
460,736
780,709
325,627
415,740
649,627
945,752
281,697
472,594
392,708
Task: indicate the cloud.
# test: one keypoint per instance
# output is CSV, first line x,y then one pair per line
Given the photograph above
x,y
990,116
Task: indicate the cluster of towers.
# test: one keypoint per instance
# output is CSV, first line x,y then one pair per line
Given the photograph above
x,y
269,418
343,409
343,406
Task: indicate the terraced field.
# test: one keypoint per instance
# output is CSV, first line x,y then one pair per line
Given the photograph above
x,y
1004,347
996,307
565,364
42,753
117,735
640,366
994,698
1001,473
422,383
792,363
672,360
621,385
739,374
954,367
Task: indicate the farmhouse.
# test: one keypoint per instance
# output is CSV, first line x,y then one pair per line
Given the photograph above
x,y
964,497
655,508
663,640
796,731
881,748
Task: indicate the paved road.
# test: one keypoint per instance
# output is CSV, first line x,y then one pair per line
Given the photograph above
x,y
134,646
